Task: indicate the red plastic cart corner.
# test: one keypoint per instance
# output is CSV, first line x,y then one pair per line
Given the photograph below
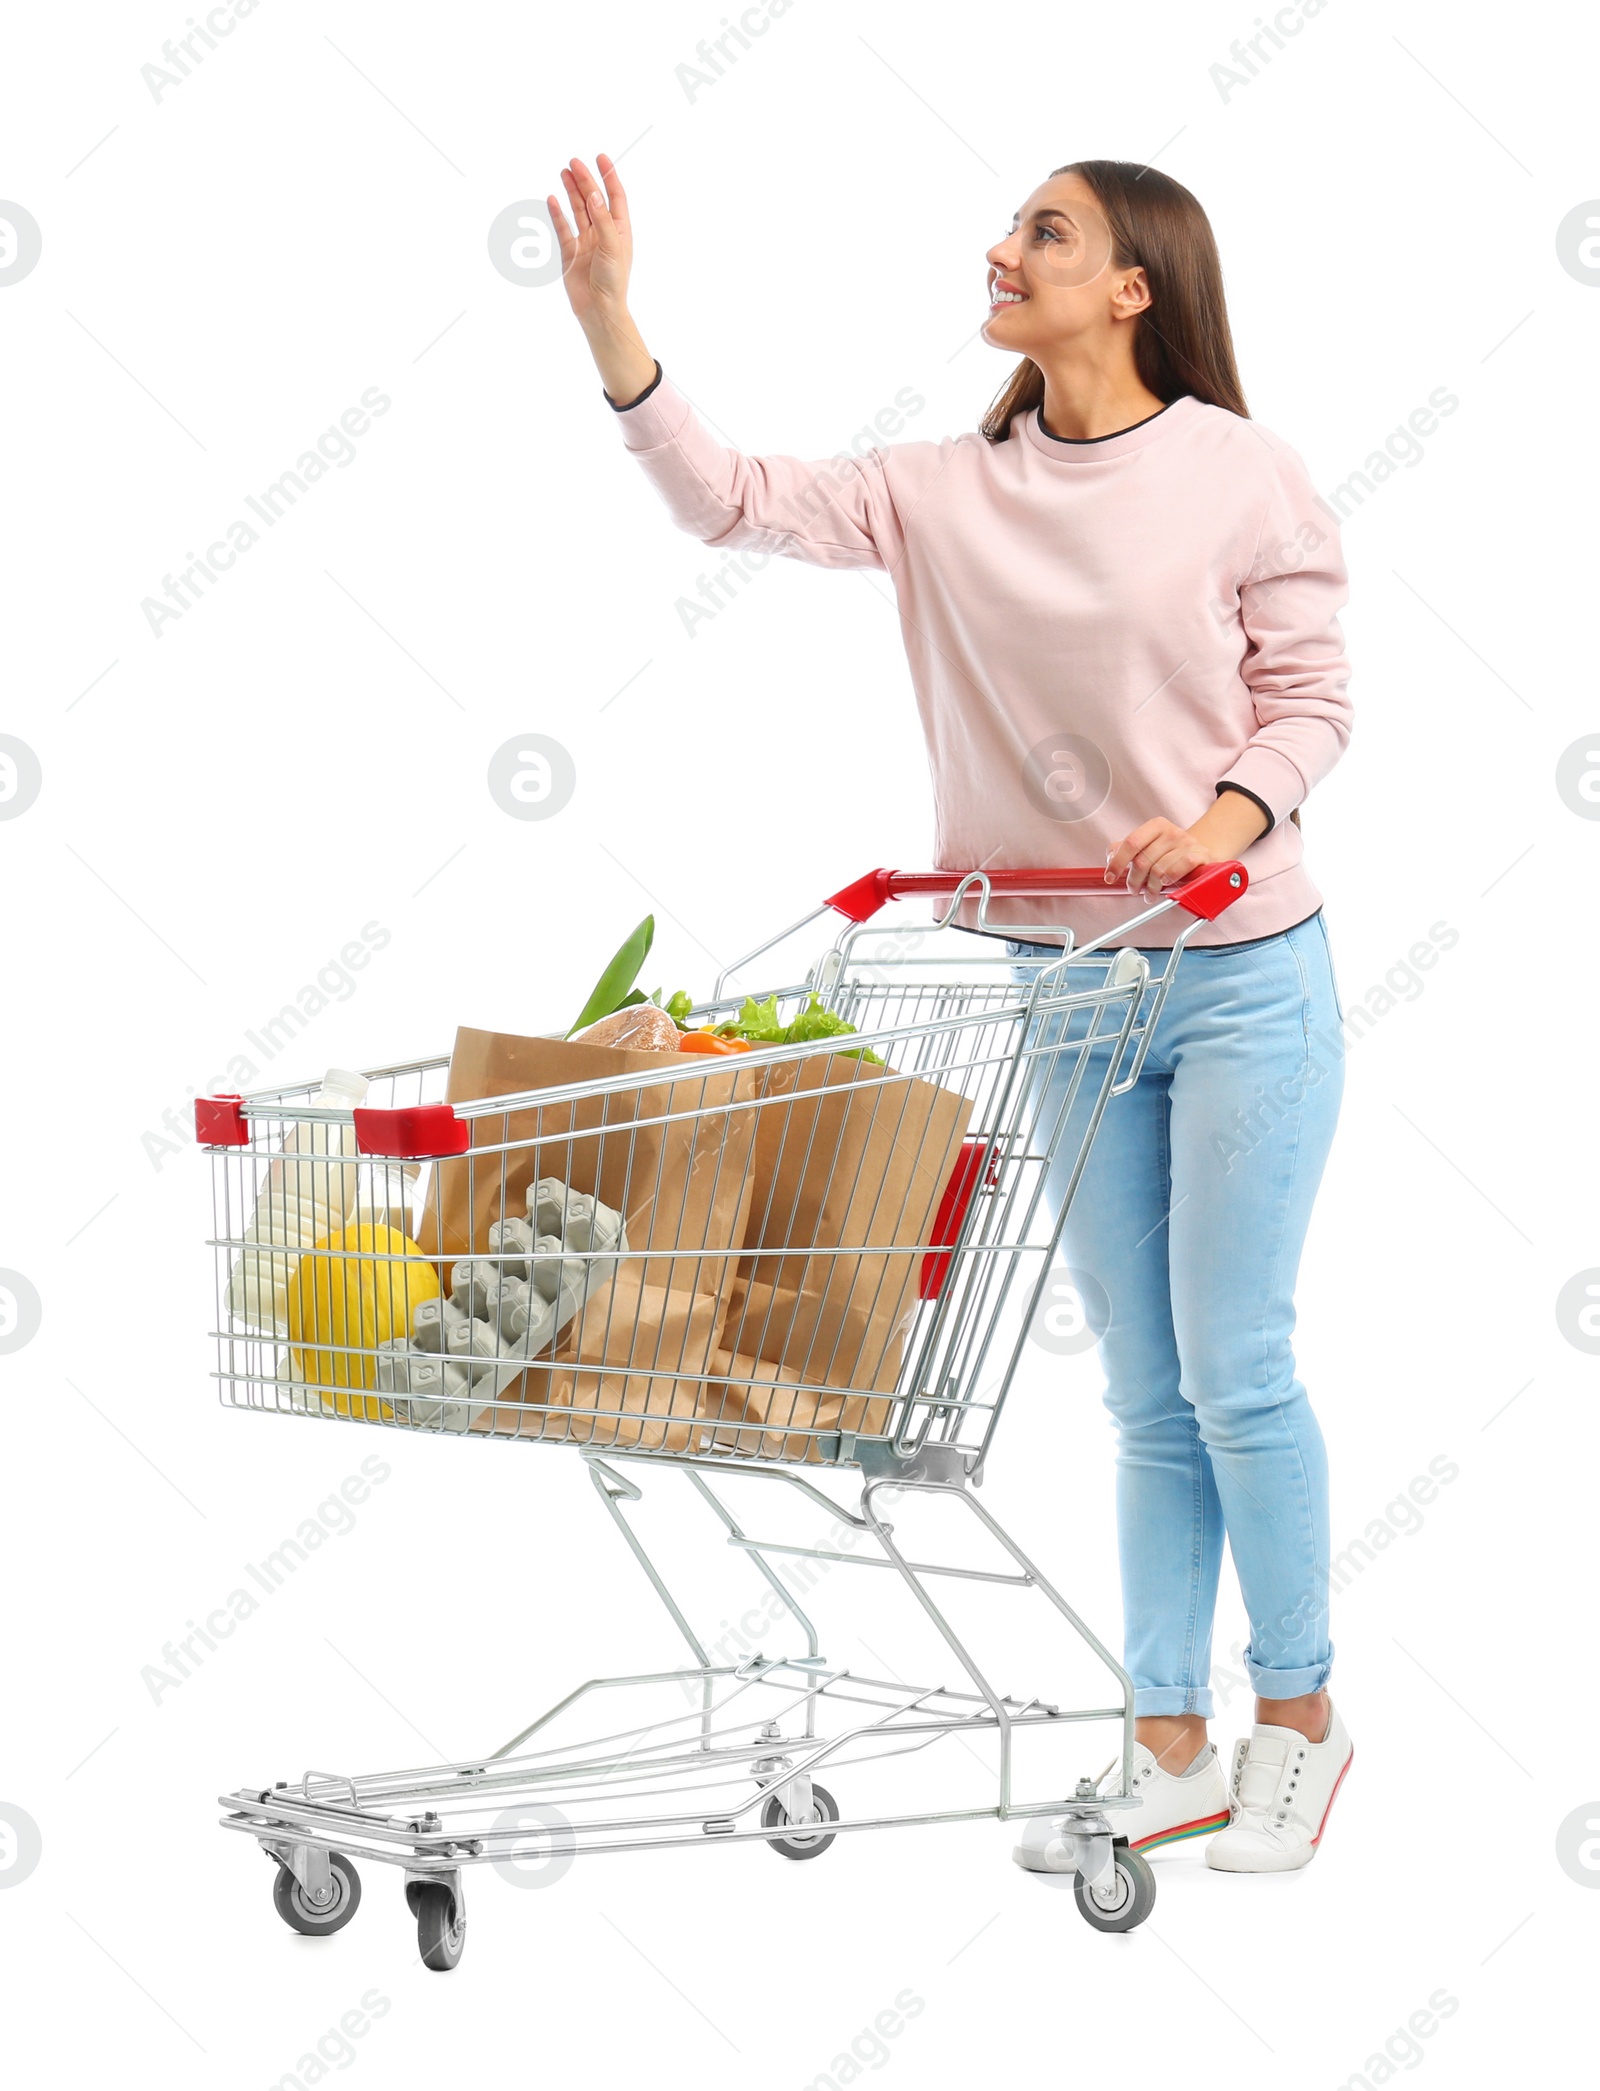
x,y
418,1133
219,1121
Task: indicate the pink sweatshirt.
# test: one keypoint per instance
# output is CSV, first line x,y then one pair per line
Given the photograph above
x,y
1097,632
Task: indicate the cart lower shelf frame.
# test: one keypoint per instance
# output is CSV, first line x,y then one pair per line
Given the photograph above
x,y
725,1767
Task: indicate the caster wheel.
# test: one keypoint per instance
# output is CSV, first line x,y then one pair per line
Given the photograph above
x,y
1123,1901
318,1920
441,1933
801,1842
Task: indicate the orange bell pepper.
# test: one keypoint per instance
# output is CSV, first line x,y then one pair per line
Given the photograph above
x,y
709,1042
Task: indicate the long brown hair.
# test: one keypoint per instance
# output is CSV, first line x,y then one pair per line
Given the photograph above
x,y
1183,343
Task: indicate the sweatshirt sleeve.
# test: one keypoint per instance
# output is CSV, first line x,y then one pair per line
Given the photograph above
x,y
836,511
1295,663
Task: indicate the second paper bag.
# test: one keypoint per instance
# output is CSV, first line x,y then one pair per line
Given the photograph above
x,y
849,1165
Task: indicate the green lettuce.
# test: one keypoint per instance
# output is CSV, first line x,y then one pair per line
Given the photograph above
x,y
761,1024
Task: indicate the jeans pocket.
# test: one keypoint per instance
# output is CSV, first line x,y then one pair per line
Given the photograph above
x,y
1333,977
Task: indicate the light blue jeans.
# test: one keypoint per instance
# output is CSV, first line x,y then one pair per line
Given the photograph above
x,y
1184,1240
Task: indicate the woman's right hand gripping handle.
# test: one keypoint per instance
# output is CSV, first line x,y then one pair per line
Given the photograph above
x,y
596,256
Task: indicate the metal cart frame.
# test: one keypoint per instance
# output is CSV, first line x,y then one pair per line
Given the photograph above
x,y
739,1761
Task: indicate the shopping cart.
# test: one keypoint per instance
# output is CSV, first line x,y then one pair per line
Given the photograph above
x,y
733,1749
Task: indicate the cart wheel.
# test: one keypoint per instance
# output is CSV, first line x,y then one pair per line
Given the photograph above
x,y
318,1920
441,1934
1123,1901
800,1844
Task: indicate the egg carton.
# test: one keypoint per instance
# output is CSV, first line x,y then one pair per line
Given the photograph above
x,y
504,1309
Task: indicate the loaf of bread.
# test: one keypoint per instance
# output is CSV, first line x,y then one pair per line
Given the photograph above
x,y
642,1029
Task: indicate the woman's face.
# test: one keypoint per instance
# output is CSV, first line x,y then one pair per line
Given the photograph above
x,y
1051,279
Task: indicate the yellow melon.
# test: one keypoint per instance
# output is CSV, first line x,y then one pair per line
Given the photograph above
x,y
358,1288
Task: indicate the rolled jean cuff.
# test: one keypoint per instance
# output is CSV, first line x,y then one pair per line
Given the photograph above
x,y
1172,1698
1287,1684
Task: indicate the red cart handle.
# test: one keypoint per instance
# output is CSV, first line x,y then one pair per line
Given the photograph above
x,y
1204,893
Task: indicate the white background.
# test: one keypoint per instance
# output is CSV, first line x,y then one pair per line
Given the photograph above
x,y
305,751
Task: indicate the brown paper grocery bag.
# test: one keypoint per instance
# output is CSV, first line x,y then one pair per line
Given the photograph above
x,y
658,1334
682,1184
848,1156
747,1391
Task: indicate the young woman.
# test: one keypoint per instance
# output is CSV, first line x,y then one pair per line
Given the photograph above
x,y
1119,602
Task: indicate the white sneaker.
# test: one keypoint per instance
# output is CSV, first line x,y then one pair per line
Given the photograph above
x,y
1283,1788
1175,1809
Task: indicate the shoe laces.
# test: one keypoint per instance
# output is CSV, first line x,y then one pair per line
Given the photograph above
x,y
1273,1793
1140,1773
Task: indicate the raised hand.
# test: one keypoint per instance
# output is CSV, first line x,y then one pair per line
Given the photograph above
x,y
597,246
596,258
